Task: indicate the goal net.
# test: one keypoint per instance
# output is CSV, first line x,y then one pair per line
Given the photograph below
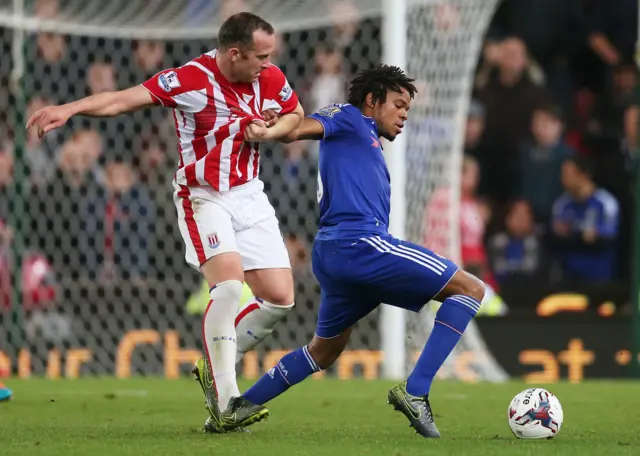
x,y
444,42
88,209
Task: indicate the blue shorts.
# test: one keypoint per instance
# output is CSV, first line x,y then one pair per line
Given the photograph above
x,y
357,275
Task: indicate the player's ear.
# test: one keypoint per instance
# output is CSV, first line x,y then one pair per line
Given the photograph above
x,y
234,54
368,101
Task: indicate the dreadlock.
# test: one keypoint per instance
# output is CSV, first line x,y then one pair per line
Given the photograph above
x,y
377,81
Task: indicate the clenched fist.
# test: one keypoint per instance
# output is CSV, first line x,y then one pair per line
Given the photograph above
x,y
257,131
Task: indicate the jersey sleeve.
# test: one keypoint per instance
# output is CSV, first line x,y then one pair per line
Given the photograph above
x,y
183,88
608,217
278,94
334,119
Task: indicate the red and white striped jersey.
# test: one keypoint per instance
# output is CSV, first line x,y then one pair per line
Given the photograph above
x,y
211,115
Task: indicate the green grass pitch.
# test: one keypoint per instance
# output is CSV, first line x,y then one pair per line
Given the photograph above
x,y
151,416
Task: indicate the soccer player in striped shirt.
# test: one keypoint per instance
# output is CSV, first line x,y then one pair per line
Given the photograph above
x,y
219,101
355,259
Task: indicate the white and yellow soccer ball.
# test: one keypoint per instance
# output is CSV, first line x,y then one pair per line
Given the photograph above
x,y
535,413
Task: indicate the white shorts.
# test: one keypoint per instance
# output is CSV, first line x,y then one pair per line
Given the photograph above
x,y
239,220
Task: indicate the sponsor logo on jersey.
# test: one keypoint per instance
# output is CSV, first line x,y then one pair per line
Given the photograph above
x,y
286,92
168,81
329,111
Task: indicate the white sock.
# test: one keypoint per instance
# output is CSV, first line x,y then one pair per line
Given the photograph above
x,y
255,321
220,338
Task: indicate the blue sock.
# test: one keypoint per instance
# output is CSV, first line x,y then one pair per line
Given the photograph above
x,y
452,318
290,370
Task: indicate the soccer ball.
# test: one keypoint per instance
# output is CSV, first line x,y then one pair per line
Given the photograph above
x,y
535,413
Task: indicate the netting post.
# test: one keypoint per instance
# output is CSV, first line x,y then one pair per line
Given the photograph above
x,y
635,271
392,324
635,266
17,211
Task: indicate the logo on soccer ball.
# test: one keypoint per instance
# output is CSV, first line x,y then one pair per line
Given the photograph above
x,y
541,414
168,81
214,241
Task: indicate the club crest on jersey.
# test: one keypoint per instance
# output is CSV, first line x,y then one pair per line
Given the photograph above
x,y
286,92
329,111
168,81
214,241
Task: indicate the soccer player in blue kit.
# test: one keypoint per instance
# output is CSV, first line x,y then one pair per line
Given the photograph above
x,y
357,262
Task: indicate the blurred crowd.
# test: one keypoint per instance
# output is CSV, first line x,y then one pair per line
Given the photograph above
x,y
550,145
546,181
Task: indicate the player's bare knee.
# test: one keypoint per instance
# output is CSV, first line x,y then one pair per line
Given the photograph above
x,y
281,298
463,283
273,285
472,286
222,268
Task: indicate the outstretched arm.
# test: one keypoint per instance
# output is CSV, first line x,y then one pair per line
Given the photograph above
x,y
310,128
327,122
286,124
106,104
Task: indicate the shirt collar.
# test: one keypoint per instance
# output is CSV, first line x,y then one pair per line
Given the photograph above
x,y
372,123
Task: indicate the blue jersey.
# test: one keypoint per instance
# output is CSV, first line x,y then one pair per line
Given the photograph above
x,y
356,261
354,192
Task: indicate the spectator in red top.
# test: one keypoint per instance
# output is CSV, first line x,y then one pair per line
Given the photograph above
x,y
472,217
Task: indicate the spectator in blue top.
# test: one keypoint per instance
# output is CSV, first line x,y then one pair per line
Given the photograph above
x,y
585,224
516,253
